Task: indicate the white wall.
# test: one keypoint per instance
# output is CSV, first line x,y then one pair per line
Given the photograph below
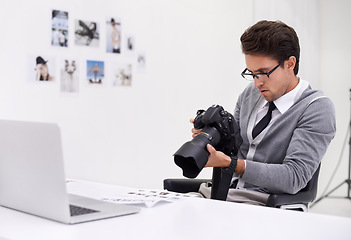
x,y
335,49
127,135
303,16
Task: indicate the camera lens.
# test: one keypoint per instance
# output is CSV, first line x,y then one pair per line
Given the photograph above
x,y
192,156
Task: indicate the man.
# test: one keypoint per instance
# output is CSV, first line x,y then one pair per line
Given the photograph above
x,y
280,155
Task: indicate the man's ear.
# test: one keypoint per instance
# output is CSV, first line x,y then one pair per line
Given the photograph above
x,y
291,62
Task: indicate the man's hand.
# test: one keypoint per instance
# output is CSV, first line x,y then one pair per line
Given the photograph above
x,y
217,158
193,130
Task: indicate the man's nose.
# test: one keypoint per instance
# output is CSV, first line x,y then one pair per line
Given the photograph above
x,y
258,82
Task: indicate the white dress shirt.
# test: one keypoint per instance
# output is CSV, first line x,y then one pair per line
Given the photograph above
x,y
282,105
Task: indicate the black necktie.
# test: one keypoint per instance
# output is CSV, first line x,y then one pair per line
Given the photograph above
x,y
263,123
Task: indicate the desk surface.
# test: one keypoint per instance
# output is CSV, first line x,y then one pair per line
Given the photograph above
x,y
187,219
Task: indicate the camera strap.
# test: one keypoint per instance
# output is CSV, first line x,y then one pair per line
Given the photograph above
x,y
221,180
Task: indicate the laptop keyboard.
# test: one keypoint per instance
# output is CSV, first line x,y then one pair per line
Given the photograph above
x,y
76,210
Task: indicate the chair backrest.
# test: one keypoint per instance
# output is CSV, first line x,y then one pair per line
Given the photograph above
x,y
312,185
304,196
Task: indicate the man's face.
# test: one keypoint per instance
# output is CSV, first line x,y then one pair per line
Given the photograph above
x,y
279,82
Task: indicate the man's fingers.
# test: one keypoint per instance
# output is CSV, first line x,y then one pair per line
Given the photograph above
x,y
210,149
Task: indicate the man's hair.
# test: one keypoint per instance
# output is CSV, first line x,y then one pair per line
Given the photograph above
x,y
271,38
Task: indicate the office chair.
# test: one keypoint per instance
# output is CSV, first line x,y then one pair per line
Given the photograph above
x,y
297,202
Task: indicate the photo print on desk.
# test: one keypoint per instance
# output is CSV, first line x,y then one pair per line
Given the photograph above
x,y
95,72
69,74
148,197
86,33
59,28
113,35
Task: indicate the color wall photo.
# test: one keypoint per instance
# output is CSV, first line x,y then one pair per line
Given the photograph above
x,y
59,28
95,72
113,35
41,68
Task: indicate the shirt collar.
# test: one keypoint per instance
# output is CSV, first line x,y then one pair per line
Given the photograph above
x,y
287,100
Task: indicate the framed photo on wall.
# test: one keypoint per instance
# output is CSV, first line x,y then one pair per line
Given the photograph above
x,y
86,33
69,75
59,28
113,35
95,72
41,68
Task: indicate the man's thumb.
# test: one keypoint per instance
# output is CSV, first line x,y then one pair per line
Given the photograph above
x,y
210,149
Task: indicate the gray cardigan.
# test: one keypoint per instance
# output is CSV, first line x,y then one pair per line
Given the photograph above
x,y
292,147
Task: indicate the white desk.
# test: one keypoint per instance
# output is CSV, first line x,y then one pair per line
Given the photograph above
x,y
186,219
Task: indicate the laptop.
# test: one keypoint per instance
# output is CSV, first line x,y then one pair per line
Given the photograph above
x,y
32,178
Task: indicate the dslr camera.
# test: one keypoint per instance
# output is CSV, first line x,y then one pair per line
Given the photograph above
x,y
218,129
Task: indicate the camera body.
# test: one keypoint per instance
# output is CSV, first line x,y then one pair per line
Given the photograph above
x,y
218,129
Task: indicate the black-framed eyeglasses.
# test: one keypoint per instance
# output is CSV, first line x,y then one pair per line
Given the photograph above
x,y
262,76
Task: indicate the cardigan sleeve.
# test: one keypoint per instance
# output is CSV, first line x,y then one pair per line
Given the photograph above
x,y
306,134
